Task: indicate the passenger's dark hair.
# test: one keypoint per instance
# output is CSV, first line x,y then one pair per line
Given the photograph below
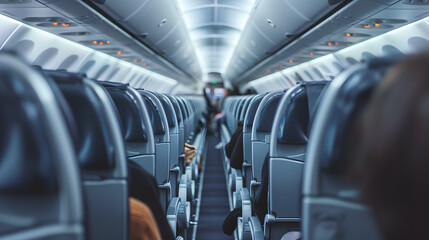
x,y
391,151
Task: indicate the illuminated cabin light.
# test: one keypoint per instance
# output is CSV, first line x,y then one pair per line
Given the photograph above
x,y
94,42
108,42
119,52
269,70
336,44
144,64
275,70
290,61
142,60
311,54
377,25
348,34
135,60
101,43
65,24
55,23
329,44
367,26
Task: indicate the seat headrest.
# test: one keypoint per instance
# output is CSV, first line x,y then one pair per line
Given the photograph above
x,y
352,97
176,108
168,109
293,128
122,86
27,161
253,106
155,116
133,127
95,146
268,112
183,108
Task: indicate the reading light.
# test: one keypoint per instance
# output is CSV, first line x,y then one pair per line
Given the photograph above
x,y
311,54
348,35
119,52
101,43
290,61
377,25
65,24
135,60
329,44
55,23
144,64
142,60
94,42
108,42
367,26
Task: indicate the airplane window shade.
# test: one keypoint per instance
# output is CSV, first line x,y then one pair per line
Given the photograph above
x,y
26,162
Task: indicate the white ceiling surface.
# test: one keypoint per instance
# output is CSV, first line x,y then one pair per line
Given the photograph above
x,y
215,26
412,38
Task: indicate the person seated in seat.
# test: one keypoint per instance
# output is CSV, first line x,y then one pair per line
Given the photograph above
x,y
234,148
142,223
389,150
143,187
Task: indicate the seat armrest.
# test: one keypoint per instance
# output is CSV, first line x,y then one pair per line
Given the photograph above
x,y
256,229
183,188
182,163
172,212
246,206
238,181
253,185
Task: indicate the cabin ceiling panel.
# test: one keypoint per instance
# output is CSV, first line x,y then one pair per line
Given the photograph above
x,y
275,23
158,24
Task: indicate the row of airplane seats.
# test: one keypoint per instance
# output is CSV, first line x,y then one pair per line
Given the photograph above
x,y
66,149
306,188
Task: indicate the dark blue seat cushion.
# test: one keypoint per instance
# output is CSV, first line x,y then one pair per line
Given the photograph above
x,y
251,111
27,164
133,127
268,112
155,116
95,145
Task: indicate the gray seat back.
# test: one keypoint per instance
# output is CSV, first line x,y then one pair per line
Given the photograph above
x,y
245,107
40,189
261,131
247,136
101,155
289,136
179,116
331,204
136,126
162,136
